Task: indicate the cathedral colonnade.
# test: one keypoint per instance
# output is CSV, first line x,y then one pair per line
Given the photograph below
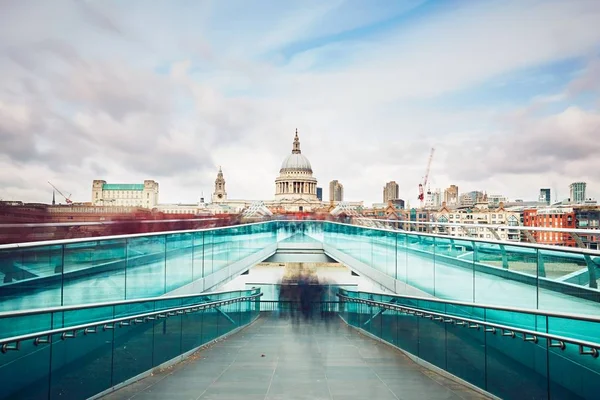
x,y
297,187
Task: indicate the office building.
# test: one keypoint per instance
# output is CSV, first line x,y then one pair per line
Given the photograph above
x,y
336,191
433,199
577,192
391,191
494,200
451,195
545,196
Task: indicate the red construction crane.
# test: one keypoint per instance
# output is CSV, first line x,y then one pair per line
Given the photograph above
x,y
421,196
67,199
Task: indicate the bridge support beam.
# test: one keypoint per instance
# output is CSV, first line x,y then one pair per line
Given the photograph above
x,y
591,265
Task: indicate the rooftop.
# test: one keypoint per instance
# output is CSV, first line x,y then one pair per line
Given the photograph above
x,y
123,186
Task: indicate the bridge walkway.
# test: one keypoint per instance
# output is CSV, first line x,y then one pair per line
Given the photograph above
x,y
279,358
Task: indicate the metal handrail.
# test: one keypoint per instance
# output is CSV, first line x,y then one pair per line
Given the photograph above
x,y
71,332
34,311
564,249
473,239
585,347
583,317
494,226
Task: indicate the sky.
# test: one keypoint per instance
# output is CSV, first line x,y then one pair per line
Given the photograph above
x,y
507,92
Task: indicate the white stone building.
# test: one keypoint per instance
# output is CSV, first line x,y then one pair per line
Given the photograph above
x,y
220,194
180,208
433,199
295,188
479,218
494,200
295,191
125,194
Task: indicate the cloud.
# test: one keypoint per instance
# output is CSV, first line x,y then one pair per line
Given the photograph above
x,y
97,18
132,91
564,145
588,81
448,52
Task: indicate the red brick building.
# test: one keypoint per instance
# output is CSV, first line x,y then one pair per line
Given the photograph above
x,y
551,218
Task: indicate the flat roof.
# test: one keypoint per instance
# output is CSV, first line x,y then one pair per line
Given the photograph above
x,y
123,186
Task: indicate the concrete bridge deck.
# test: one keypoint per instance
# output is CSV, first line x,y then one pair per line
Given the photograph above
x,y
275,358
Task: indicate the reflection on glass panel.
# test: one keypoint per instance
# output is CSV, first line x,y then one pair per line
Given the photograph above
x,y
167,339
505,275
24,373
570,275
209,325
179,261
145,274
34,271
466,354
454,269
61,319
198,255
515,367
94,271
132,354
123,310
18,325
420,263
401,258
571,375
216,249
571,327
191,335
519,320
75,361
384,251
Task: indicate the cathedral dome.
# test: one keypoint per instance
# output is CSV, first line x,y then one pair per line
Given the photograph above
x,y
296,187
296,162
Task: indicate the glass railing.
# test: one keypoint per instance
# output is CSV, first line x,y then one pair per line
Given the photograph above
x,y
510,353
15,323
137,266
289,291
87,271
476,270
296,310
81,361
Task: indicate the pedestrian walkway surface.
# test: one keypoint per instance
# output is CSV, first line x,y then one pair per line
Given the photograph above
x,y
276,358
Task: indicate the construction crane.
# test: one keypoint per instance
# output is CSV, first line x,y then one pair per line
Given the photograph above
x,y
421,196
67,199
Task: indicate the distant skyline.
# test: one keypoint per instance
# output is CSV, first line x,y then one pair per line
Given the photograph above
x,y
508,93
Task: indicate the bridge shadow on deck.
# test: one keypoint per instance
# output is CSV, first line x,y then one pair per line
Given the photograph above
x,y
280,358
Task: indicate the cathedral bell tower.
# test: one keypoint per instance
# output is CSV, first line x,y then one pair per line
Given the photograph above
x,y
220,194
